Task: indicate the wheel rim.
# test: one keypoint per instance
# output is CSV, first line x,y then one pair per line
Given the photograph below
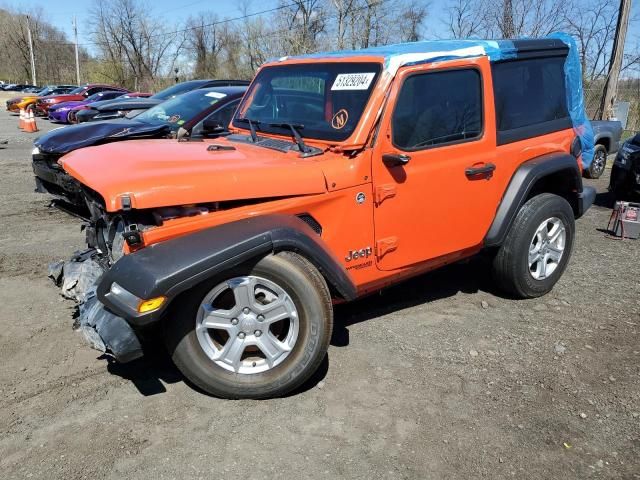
x,y
546,248
247,325
599,162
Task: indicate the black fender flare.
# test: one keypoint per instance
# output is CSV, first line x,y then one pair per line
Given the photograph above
x,y
171,267
524,180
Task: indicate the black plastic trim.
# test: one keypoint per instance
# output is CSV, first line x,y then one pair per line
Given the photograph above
x,y
171,267
532,131
540,48
521,184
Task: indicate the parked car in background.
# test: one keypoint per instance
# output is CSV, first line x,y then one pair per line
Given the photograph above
x,y
624,182
200,113
119,108
607,135
88,113
65,112
80,93
17,87
24,101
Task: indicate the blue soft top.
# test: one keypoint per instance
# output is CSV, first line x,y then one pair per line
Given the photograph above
x,y
402,54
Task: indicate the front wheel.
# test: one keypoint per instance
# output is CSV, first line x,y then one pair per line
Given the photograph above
x,y
257,331
537,248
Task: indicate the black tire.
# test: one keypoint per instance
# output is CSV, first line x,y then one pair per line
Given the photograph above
x,y
511,265
599,163
310,294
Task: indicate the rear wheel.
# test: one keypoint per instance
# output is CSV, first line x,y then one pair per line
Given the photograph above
x,y
256,331
598,164
537,248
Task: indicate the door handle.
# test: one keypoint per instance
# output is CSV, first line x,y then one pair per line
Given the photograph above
x,y
483,171
395,159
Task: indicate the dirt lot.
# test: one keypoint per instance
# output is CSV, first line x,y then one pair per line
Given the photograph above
x,y
439,377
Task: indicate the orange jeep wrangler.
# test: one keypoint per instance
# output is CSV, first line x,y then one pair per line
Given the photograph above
x,y
343,173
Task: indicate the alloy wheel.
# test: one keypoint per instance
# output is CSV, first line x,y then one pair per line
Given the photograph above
x,y
546,248
247,324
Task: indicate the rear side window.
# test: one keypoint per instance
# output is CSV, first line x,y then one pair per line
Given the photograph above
x,y
438,108
530,98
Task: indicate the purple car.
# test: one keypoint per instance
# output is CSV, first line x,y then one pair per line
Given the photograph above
x,y
61,112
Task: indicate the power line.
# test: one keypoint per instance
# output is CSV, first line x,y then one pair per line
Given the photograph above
x,y
219,22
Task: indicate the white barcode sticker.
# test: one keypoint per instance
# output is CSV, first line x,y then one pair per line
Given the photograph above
x,y
353,81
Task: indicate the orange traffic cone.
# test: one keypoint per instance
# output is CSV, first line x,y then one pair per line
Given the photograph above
x,y
30,125
21,123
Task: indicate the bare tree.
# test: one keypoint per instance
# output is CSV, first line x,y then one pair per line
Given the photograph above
x,y
411,21
136,48
464,21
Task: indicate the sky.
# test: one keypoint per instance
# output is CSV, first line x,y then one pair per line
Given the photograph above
x,y
60,12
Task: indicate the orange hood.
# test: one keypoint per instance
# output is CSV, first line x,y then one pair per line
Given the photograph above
x,y
158,173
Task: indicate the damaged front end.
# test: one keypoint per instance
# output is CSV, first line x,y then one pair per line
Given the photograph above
x,y
78,279
109,236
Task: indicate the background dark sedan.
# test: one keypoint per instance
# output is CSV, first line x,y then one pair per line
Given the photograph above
x,y
200,113
119,107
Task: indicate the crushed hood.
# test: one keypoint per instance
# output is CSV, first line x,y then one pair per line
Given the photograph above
x,y
64,140
158,173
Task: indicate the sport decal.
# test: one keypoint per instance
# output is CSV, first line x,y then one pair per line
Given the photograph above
x,y
339,120
353,81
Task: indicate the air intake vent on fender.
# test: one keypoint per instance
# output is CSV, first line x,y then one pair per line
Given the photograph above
x,y
312,222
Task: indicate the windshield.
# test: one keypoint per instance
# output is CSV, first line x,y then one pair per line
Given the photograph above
x,y
178,110
175,90
44,91
75,91
327,99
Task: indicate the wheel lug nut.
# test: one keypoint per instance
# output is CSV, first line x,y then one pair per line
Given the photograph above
x,y
257,333
260,318
234,321
245,310
241,335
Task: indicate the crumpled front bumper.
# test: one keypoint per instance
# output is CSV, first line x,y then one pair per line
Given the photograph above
x,y
105,331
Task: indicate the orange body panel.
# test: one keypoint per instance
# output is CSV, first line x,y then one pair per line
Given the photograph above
x,y
401,221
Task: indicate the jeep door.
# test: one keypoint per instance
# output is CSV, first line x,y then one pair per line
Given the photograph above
x,y
433,163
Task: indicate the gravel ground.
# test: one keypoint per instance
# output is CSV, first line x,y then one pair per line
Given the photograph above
x,y
439,377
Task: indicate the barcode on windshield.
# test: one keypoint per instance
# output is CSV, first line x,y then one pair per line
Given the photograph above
x,y
353,81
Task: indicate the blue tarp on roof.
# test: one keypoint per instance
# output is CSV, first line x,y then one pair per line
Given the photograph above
x,y
402,54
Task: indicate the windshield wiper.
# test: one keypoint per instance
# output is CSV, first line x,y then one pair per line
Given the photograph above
x,y
252,128
294,131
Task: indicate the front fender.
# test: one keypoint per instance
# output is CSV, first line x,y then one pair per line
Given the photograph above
x,y
171,267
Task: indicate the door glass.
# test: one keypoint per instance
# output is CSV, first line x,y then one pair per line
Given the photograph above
x,y
222,116
438,108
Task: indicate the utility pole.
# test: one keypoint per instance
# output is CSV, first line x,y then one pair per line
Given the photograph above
x,y
75,33
33,62
615,64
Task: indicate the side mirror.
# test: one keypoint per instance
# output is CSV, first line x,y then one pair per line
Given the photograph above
x,y
211,126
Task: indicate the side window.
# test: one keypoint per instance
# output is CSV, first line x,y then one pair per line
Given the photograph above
x,y
221,116
529,95
438,108
93,90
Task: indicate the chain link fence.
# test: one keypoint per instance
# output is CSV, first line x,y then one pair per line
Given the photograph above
x,y
628,91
